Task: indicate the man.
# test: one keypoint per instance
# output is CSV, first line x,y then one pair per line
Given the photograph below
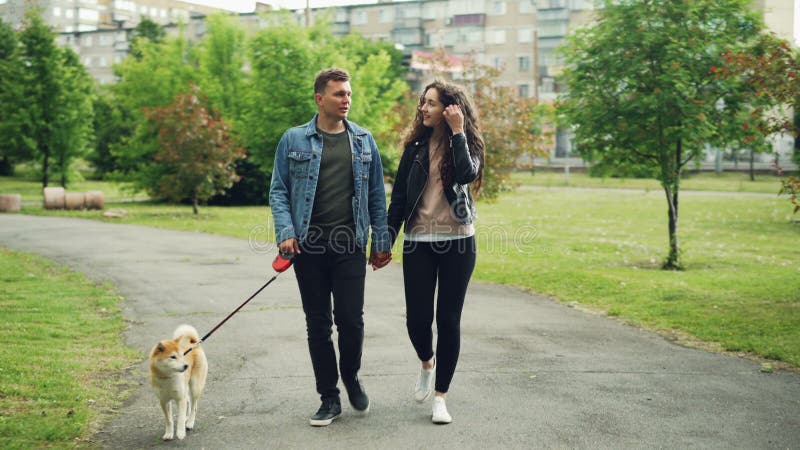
x,y
327,189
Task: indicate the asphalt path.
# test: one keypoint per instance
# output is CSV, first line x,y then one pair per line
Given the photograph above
x,y
533,373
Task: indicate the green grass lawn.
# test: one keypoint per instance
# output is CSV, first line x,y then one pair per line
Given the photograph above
x,y
603,248
61,354
725,182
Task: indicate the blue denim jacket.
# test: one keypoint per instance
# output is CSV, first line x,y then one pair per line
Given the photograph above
x,y
294,183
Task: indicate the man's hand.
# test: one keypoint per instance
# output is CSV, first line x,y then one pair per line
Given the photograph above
x,y
379,259
289,246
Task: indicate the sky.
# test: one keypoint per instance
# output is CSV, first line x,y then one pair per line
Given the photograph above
x,y
249,6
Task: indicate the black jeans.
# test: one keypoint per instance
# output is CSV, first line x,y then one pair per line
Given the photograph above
x,y
322,270
451,262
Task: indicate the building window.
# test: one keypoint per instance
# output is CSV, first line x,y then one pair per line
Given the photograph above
x,y
103,62
525,35
498,8
548,84
524,63
497,37
473,36
552,29
87,62
359,17
527,6
88,14
522,90
431,11
87,41
499,62
69,13
385,15
56,11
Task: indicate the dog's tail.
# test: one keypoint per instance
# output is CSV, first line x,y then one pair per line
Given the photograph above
x,y
188,332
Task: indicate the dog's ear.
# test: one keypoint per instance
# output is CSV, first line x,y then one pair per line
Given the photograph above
x,y
160,348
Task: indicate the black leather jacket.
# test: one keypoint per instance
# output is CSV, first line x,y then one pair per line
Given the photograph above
x,y
412,175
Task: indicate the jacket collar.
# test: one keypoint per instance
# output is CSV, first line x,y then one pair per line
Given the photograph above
x,y
352,128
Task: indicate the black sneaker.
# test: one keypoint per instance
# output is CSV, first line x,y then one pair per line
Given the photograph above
x,y
329,410
358,398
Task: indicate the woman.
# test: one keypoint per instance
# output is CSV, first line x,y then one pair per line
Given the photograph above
x,y
443,155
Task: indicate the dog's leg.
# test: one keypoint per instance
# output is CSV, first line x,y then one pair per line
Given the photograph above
x,y
166,406
194,392
180,429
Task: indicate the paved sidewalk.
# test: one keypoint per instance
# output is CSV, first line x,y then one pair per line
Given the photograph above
x,y
533,373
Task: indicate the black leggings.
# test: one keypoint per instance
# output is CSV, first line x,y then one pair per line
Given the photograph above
x,y
452,263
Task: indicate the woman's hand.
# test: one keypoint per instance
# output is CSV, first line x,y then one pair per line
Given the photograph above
x,y
455,118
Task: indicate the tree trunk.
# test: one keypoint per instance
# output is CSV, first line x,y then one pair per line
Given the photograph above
x,y
672,262
194,201
46,166
671,190
797,136
6,167
752,162
63,172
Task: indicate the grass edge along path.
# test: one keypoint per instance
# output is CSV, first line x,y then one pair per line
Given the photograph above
x,y
62,356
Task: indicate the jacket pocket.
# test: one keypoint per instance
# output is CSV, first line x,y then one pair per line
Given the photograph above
x,y
299,161
366,160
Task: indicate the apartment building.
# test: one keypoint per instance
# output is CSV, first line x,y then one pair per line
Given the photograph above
x,y
69,16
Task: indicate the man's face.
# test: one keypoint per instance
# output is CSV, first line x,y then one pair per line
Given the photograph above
x,y
334,103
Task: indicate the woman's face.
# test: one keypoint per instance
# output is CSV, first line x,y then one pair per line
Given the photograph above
x,y
432,109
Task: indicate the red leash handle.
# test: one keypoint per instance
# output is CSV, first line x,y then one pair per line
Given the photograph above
x,y
281,262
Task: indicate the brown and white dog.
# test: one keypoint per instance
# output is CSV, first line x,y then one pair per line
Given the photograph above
x,y
179,378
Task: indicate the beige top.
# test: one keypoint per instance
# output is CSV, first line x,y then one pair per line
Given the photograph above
x,y
434,219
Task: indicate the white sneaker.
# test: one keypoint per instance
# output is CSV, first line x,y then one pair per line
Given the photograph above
x,y
440,414
424,387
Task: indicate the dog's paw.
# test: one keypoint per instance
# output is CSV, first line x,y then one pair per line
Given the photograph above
x,y
167,437
181,434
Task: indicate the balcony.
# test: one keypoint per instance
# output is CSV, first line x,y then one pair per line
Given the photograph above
x,y
468,20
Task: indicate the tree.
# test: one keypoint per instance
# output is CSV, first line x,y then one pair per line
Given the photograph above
x,y
196,153
42,88
146,30
512,126
221,59
151,81
72,129
12,149
112,125
640,88
768,73
283,67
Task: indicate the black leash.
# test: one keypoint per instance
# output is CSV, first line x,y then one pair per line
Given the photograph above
x,y
280,264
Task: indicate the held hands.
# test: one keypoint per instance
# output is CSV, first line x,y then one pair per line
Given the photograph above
x,y
455,118
379,259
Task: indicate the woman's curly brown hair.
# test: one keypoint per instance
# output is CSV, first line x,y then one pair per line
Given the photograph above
x,y
449,94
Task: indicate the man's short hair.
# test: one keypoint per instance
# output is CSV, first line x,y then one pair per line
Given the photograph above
x,y
334,73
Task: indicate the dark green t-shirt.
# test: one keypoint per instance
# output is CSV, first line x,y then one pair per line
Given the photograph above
x,y
332,214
